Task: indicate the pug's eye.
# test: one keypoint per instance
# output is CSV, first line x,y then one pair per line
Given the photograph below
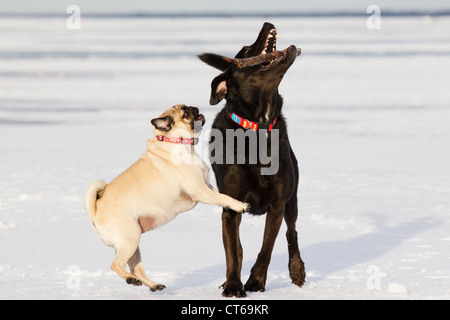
x,y
185,113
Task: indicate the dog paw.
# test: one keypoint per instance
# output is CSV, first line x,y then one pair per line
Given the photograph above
x,y
297,272
298,280
233,291
158,287
241,207
254,285
134,281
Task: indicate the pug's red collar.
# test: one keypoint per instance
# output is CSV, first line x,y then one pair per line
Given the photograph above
x,y
177,140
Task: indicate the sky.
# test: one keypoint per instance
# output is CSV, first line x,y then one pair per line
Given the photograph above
x,y
225,6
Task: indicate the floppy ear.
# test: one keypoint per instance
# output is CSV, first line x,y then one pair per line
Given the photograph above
x,y
215,61
218,89
163,124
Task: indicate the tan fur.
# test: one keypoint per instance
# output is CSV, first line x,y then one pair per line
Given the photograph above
x,y
149,194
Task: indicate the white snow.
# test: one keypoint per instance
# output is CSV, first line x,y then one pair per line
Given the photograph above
x,y
368,114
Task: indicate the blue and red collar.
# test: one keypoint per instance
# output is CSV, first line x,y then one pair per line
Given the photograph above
x,y
255,126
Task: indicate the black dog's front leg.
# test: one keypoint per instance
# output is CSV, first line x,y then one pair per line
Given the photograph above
x,y
233,252
258,275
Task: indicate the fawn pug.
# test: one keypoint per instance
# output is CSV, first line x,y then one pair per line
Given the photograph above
x,y
153,191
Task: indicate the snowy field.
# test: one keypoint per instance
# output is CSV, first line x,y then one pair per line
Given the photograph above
x,y
369,119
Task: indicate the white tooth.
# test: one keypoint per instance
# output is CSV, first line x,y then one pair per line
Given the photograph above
x,y
270,35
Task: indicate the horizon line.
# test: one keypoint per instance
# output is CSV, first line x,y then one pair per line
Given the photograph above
x,y
144,14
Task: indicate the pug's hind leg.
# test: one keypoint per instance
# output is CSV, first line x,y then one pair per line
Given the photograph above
x,y
137,269
125,236
123,254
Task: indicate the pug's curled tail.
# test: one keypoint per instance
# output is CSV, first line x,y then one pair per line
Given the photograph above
x,y
93,193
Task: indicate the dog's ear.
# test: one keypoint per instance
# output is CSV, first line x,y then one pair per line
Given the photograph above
x,y
218,89
215,61
163,123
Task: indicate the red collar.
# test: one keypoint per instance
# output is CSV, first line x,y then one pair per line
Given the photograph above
x,y
246,124
177,140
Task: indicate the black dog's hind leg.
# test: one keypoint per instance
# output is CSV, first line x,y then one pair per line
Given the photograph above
x,y
233,254
296,264
258,275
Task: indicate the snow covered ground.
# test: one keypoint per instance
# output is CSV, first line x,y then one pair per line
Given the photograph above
x,y
369,119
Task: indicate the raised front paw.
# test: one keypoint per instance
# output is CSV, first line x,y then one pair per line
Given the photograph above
x,y
241,207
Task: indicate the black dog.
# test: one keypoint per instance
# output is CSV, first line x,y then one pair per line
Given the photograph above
x,y
249,84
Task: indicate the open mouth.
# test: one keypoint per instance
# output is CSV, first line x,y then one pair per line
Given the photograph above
x,y
268,56
261,55
197,116
271,42
269,47
195,126
201,118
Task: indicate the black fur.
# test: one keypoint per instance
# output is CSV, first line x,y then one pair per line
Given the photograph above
x,y
163,124
252,93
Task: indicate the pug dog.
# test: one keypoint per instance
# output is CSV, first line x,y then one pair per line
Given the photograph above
x,y
168,179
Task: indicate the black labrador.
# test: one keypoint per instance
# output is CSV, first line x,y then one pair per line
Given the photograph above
x,y
249,83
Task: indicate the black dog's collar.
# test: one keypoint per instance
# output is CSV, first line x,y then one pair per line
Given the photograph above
x,y
177,140
246,124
